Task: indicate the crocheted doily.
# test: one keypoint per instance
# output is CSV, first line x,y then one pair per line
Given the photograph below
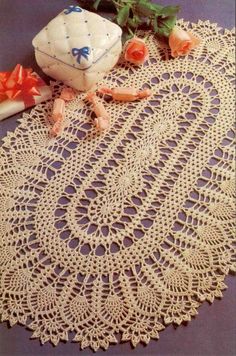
x,y
130,230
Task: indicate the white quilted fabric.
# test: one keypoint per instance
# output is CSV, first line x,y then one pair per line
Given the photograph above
x,y
78,47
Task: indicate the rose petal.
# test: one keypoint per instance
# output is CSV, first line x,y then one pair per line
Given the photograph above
x,y
181,42
136,51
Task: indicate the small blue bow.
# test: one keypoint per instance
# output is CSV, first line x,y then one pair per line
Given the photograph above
x,y
81,52
72,8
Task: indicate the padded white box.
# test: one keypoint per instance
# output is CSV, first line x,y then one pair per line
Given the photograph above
x,y
78,47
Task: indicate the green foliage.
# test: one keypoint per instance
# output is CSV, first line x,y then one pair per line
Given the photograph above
x,y
134,22
123,15
163,26
144,8
132,14
169,11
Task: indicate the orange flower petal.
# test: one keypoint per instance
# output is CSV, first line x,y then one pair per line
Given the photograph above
x,y
181,42
136,51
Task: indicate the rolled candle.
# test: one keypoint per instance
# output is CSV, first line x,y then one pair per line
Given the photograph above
x,y
102,123
98,106
58,111
57,128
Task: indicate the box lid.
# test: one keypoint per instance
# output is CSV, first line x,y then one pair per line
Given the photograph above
x,y
77,37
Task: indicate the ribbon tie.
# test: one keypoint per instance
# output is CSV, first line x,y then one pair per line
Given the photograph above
x,y
21,84
72,8
81,52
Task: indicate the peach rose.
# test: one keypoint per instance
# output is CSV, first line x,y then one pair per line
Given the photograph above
x,y
182,42
136,51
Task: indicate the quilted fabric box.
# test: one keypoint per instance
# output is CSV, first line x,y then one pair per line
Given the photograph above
x,y
78,47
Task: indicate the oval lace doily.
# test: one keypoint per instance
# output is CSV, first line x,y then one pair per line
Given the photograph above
x,y
130,230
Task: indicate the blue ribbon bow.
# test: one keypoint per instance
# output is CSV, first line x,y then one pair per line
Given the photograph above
x,y
81,52
72,8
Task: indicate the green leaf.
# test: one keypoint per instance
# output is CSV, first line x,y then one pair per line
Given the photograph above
x,y
123,15
133,13
134,22
163,32
157,8
144,8
163,27
169,22
169,11
155,25
126,36
96,4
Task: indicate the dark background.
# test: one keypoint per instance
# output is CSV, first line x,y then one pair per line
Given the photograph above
x,y
213,331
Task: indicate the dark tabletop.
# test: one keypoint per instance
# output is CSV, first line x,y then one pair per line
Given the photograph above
x,y
213,331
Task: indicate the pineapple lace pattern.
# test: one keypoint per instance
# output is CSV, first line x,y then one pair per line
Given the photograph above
x,y
130,230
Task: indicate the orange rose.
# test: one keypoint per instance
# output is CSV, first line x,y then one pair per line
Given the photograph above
x,y
182,42
136,51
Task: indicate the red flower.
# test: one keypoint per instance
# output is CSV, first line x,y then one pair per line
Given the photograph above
x,y
136,51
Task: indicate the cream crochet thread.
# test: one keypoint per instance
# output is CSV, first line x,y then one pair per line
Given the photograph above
x,y
130,230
